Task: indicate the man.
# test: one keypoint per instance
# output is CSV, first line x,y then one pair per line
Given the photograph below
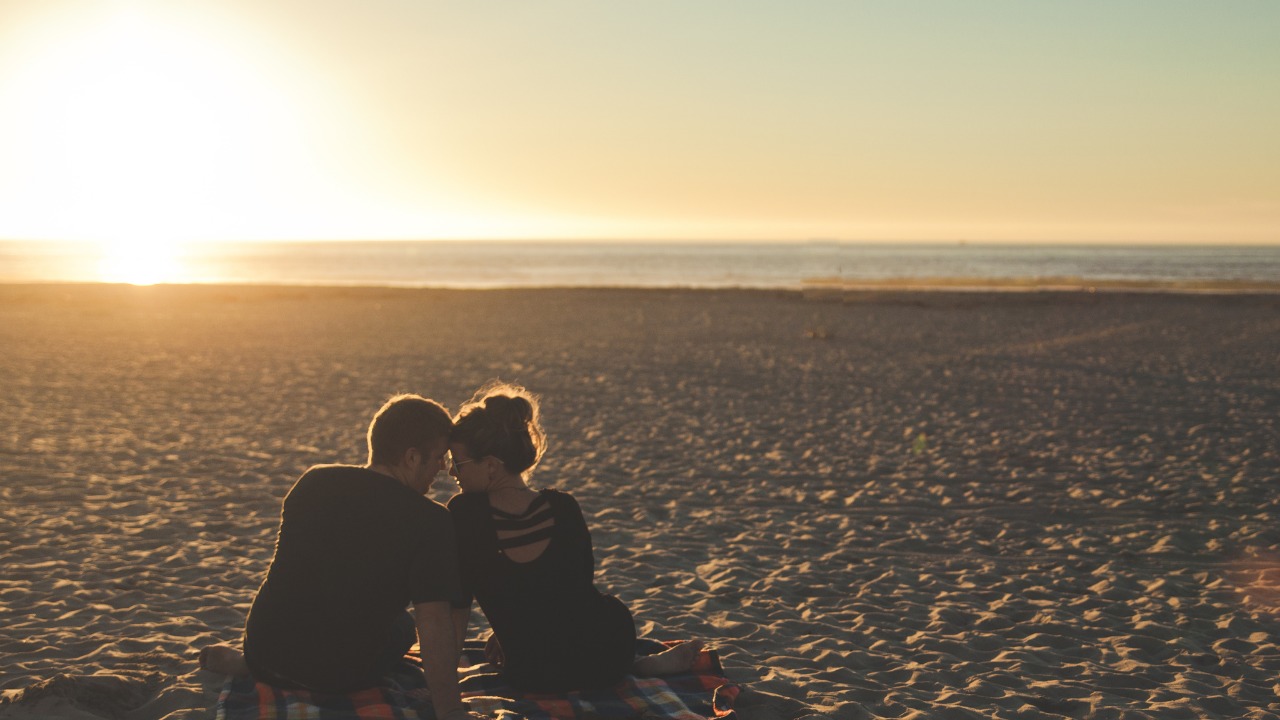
x,y
356,546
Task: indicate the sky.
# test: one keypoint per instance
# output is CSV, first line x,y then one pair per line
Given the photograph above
x,y
173,120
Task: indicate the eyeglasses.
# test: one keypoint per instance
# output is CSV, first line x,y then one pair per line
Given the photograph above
x,y
455,464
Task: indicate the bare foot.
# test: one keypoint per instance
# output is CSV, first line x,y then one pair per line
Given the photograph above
x,y
224,660
673,660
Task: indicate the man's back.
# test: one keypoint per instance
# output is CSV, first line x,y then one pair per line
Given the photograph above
x,y
355,548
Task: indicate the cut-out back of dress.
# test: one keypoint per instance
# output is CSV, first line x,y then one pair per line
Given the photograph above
x,y
523,537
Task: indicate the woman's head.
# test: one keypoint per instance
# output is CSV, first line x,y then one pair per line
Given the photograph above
x,y
501,421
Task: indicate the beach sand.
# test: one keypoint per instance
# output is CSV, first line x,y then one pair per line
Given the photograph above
x,y
875,504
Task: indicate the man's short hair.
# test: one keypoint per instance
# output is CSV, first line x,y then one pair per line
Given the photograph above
x,y
403,422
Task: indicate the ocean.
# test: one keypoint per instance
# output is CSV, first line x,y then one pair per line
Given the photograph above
x,y
492,264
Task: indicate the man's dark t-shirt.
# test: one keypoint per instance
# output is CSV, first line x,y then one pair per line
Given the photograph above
x,y
355,548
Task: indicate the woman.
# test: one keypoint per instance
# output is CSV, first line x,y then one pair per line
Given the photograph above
x,y
526,558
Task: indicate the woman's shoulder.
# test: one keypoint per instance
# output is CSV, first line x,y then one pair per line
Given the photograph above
x,y
561,502
556,496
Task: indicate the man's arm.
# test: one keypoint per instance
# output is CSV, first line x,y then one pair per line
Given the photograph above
x,y
439,657
461,616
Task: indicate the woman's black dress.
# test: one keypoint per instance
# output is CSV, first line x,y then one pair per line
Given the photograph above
x,y
558,632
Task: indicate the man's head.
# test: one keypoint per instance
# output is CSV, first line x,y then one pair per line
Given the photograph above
x,y
410,435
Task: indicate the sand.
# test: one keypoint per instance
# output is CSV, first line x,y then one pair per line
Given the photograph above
x,y
875,504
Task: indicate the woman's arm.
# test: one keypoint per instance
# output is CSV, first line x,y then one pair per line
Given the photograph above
x,y
460,617
575,528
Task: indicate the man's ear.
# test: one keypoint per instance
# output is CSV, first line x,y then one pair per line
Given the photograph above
x,y
410,455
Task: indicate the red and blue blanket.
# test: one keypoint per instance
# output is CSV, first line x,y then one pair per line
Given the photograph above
x,y
702,693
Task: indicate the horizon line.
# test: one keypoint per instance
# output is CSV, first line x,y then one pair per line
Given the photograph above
x,y
691,240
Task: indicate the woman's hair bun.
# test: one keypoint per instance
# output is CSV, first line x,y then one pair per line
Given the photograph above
x,y
501,420
515,409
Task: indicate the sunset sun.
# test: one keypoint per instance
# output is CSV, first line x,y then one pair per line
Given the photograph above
x,y
148,133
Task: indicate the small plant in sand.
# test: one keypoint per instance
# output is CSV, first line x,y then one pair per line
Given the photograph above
x,y
920,444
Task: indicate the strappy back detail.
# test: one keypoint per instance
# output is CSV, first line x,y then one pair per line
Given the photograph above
x,y
526,539
534,526
507,521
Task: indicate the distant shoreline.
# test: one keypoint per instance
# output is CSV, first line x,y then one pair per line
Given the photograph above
x,y
815,287
1041,284
736,266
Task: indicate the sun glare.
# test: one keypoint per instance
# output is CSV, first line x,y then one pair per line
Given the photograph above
x,y
146,129
142,151
141,262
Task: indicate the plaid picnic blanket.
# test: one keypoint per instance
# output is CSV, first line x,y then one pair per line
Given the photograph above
x,y
701,693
